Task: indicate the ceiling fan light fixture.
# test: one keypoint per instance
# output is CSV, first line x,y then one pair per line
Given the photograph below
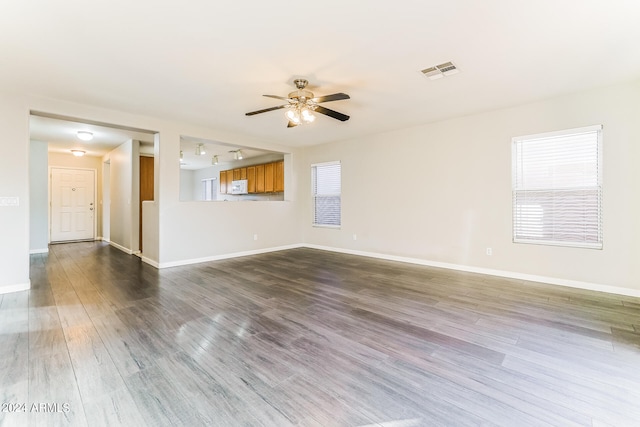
x,y
293,115
307,115
302,104
84,135
239,153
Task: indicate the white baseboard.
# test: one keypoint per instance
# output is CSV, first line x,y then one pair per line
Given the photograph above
x,y
15,288
150,261
491,272
500,273
122,248
39,251
226,256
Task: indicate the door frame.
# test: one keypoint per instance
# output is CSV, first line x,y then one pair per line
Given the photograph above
x,y
95,195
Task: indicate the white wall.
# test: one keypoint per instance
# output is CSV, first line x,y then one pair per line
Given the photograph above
x,y
442,192
38,197
445,201
175,242
150,232
193,231
14,182
105,202
187,185
121,173
135,196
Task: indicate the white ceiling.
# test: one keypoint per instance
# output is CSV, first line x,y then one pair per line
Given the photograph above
x,y
62,135
191,161
208,63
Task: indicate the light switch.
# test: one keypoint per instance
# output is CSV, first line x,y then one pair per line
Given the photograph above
x,y
9,201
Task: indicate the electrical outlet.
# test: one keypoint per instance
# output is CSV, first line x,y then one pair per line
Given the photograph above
x,y
255,237
489,251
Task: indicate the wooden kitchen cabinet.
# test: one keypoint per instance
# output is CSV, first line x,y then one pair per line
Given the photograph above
x,y
223,182
269,177
259,178
229,180
279,177
251,179
264,178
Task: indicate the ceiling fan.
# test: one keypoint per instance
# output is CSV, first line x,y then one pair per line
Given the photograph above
x,y
301,104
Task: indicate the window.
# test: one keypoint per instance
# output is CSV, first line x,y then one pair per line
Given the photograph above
x,y
325,181
557,188
209,189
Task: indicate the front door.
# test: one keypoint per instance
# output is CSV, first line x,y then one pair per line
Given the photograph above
x,y
72,204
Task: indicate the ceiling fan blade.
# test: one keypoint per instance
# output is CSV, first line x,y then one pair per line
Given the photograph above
x,y
291,124
332,97
331,113
265,110
277,97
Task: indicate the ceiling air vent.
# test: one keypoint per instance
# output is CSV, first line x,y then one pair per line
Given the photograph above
x,y
439,71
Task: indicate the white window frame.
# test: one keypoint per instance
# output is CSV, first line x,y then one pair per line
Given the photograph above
x,y
314,195
529,229
212,194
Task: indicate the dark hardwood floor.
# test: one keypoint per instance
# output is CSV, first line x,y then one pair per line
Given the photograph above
x,y
312,338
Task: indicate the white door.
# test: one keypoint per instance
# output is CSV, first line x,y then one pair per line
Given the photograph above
x,y
72,204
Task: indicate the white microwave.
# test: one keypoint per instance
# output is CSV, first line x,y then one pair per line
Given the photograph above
x,y
239,186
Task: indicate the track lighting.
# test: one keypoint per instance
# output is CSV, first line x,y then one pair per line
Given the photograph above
x,y
237,154
214,160
200,151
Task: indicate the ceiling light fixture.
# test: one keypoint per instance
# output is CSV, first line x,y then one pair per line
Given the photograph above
x,y
200,151
300,113
237,154
78,153
214,160
85,135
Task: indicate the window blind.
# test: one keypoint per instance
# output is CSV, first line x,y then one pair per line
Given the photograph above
x,y
326,189
557,188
